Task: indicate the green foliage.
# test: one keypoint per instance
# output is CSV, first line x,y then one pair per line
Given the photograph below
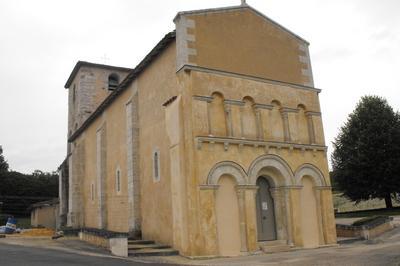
x,y
3,162
18,184
366,157
18,191
335,186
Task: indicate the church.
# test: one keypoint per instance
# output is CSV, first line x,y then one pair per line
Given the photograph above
x,y
213,144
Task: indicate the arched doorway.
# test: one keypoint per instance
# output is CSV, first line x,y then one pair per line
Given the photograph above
x,y
309,217
227,212
266,226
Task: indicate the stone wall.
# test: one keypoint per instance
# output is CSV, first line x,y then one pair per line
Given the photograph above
x,y
216,39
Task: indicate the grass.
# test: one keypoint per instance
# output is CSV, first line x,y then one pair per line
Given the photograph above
x,y
342,204
348,209
367,213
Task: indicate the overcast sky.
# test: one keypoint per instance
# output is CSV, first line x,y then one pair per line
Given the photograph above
x,y
355,47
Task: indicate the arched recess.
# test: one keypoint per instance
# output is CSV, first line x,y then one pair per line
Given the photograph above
x,y
249,125
217,115
229,207
302,125
228,217
310,216
309,177
273,166
227,168
311,171
276,123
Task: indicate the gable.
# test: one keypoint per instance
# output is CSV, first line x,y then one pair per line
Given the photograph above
x,y
242,40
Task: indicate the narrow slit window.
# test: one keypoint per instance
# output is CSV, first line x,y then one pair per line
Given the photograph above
x,y
156,166
73,94
118,181
92,191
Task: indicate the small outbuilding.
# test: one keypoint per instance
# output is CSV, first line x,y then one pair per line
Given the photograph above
x,y
45,214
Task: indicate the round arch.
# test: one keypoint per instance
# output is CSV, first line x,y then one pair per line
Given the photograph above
x,y
312,171
271,161
227,168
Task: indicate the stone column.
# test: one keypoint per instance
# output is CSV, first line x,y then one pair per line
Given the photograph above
x,y
289,123
251,217
209,100
280,213
228,116
286,131
260,110
310,124
319,215
328,217
315,128
235,128
289,220
259,124
242,219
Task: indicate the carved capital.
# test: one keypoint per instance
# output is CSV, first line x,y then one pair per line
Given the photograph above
x,y
289,110
311,113
263,106
203,98
208,187
233,102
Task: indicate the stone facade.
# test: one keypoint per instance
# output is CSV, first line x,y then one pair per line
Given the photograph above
x,y
225,101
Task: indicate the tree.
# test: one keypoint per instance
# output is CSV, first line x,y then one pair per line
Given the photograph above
x,y
18,191
3,162
366,157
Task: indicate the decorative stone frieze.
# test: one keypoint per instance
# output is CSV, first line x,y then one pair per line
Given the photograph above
x,y
257,143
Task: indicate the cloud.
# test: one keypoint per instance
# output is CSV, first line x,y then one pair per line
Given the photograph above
x,y
354,51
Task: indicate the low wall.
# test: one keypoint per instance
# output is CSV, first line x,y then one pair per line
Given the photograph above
x,y
365,231
116,242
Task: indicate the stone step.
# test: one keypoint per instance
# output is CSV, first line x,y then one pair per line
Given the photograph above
x,y
144,246
273,243
274,249
274,246
140,242
153,252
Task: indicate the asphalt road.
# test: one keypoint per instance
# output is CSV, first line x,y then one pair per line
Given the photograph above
x,y
14,255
